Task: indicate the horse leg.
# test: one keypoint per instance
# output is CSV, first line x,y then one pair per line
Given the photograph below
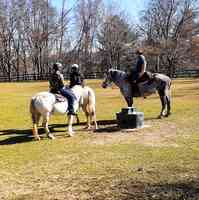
x,y
95,121
35,120
86,111
77,119
163,102
70,123
168,99
38,118
45,123
91,116
129,101
89,120
92,119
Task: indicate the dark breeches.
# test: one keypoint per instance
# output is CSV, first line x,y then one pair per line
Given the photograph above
x,y
70,96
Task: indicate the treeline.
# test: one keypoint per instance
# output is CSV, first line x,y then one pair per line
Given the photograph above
x,y
34,34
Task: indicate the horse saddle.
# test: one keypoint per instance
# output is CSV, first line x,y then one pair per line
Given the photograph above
x,y
147,76
143,82
59,98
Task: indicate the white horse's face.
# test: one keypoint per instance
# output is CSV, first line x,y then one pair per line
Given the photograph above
x,y
107,80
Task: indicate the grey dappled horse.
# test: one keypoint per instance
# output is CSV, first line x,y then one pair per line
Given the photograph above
x,y
160,83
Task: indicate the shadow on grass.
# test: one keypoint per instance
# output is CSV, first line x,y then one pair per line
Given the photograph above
x,y
17,136
175,191
25,135
16,140
135,190
108,129
127,190
20,136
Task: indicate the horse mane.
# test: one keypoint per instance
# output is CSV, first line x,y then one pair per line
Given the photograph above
x,y
116,72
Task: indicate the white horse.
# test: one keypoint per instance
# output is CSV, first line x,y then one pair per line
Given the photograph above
x,y
45,104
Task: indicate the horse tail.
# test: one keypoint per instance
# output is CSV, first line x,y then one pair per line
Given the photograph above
x,y
33,110
90,108
91,102
169,88
32,104
35,117
169,84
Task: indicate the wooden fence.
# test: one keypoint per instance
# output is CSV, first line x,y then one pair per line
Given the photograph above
x,y
186,73
34,77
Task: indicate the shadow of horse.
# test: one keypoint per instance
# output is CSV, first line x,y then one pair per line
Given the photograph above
x,y
18,136
22,136
25,135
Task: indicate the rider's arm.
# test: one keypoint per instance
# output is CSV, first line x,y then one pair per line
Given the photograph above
x,y
142,65
142,70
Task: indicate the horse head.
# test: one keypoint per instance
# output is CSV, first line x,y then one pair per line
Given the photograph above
x,y
109,77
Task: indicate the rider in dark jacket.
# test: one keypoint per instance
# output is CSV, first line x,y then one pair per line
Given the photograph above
x,y
57,86
140,68
76,78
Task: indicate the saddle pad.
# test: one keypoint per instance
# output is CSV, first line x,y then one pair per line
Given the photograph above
x,y
147,89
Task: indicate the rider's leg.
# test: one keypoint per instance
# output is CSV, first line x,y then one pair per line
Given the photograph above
x,y
71,98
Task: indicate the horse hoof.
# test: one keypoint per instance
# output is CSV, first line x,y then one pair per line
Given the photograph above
x,y
51,136
37,138
167,115
159,117
71,134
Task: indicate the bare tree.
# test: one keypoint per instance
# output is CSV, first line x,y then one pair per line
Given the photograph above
x,y
116,41
166,25
87,20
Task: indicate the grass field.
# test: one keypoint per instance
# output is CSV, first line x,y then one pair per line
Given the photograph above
x,y
160,162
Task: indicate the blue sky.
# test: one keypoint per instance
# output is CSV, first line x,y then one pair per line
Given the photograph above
x,y
133,7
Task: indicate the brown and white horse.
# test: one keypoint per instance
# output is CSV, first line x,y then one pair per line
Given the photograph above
x,y
44,104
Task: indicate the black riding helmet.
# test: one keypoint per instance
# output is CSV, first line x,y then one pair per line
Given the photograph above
x,y
75,68
57,66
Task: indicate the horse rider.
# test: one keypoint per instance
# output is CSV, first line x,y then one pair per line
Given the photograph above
x,y
57,86
138,71
76,78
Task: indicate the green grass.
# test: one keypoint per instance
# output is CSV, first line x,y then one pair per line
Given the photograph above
x,y
158,162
